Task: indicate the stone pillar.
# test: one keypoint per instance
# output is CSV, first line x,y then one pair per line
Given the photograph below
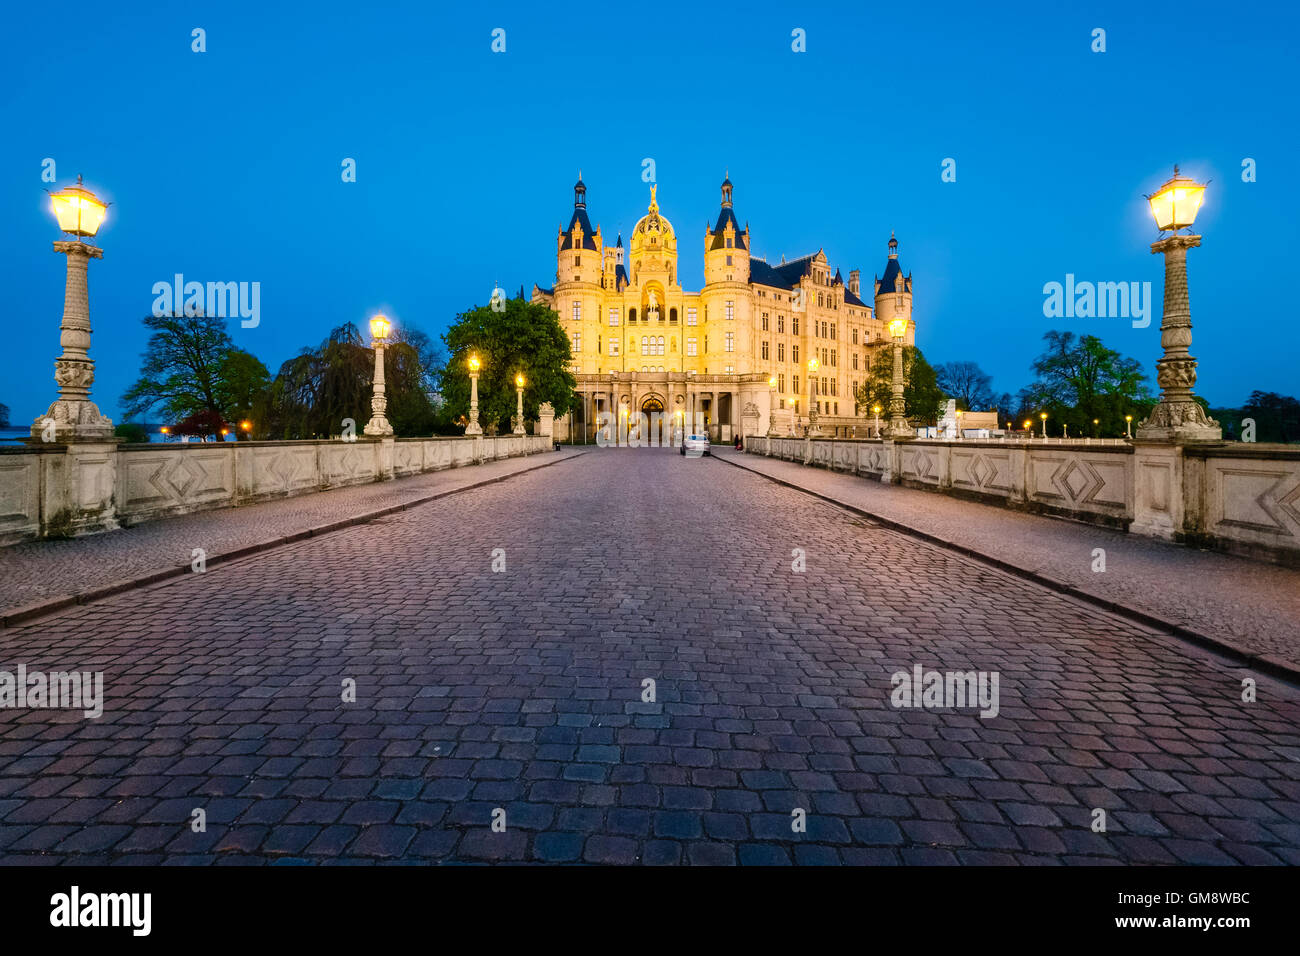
x,y
74,416
546,419
1177,416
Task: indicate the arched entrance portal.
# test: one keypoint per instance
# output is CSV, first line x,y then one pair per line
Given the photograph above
x,y
654,424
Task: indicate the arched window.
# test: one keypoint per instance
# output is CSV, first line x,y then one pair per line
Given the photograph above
x,y
659,348
645,349
672,315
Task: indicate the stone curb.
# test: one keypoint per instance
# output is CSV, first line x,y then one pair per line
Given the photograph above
x,y
25,613
1265,663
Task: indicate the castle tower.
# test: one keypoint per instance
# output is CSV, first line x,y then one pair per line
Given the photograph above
x,y
578,248
893,294
726,246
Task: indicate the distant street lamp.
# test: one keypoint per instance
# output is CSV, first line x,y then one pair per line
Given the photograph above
x,y
1095,422
1128,425
74,415
813,428
1177,416
473,428
959,424
247,428
875,410
771,406
378,426
897,409
1029,424
519,407
1043,416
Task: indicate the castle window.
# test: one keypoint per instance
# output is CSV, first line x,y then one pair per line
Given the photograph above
x,y
731,342
820,303
731,310
691,347
659,346
780,351
855,336
577,261
672,316
765,351
764,321
645,346
833,361
577,341
728,263
855,361
833,335
577,311
613,316
728,246
690,316
780,324
613,347
631,315
794,326
794,384
730,369
794,354
780,382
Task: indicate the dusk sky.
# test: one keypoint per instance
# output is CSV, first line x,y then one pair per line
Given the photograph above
x,y
225,165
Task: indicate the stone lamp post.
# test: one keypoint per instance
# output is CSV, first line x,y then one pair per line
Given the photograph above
x,y
1177,416
74,417
813,428
519,406
473,428
898,427
378,426
771,406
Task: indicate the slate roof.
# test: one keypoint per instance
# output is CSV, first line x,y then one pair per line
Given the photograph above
x,y
784,276
588,234
893,274
724,217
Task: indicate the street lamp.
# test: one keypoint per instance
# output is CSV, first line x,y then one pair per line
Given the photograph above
x,y
1128,426
897,419
75,417
1043,416
875,410
1177,416
473,428
771,406
1029,424
247,428
378,426
1095,423
959,424
519,407
813,428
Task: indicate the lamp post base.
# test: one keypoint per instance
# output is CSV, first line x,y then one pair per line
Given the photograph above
x,y
896,431
1179,421
473,428
70,420
378,428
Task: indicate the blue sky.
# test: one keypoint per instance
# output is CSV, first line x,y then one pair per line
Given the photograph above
x,y
225,165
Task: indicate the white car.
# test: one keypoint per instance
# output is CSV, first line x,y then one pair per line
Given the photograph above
x,y
695,445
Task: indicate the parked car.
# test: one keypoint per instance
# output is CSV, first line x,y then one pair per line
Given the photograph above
x,y
695,445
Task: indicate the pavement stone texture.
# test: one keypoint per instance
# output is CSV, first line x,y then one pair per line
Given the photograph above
x,y
1251,605
521,690
37,571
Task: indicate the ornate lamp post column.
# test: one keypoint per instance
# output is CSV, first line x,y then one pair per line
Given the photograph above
x,y
75,417
813,428
473,428
898,427
378,425
1043,416
958,413
1128,426
771,408
1177,416
875,410
519,406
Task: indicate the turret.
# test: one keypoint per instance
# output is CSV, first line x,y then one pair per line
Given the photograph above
x,y
578,248
893,295
726,245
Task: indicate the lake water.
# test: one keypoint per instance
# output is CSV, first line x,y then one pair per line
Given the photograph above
x,y
11,435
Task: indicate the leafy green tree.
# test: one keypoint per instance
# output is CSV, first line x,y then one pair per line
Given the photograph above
x,y
921,392
131,432
1277,417
192,366
522,338
1079,379
967,383
4,414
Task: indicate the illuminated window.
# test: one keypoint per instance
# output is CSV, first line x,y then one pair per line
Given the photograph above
x,y
764,350
780,351
731,310
613,316
691,347
690,316
577,311
731,342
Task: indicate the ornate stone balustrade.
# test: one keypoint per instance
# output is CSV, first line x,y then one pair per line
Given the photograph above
x,y
57,490
1225,495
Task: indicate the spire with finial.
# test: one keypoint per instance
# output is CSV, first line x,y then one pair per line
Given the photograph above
x,y
893,245
580,192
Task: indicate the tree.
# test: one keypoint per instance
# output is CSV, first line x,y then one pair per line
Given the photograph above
x,y
4,414
131,433
1079,379
525,337
1277,417
192,366
315,392
921,393
967,383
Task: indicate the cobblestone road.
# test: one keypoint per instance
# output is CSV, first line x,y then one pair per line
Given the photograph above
x,y
521,691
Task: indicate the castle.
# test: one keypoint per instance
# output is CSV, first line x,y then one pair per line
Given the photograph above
x,y
736,354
